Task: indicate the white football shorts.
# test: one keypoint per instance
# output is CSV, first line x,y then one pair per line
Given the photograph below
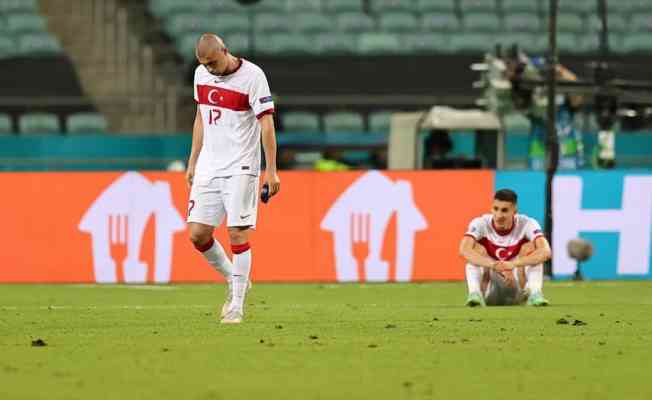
x,y
234,197
498,293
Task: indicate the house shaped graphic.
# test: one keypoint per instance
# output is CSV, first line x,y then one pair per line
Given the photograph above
x,y
120,214
361,215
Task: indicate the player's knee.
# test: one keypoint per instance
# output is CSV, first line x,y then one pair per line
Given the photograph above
x,y
239,235
526,249
199,237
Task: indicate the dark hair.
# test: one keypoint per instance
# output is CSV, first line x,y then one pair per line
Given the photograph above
x,y
506,195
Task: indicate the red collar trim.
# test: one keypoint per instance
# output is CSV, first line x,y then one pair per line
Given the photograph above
x,y
236,68
503,232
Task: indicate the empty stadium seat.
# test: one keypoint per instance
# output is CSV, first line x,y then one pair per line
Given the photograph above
x,y
299,6
312,23
343,121
530,42
5,124
232,23
379,43
379,121
578,7
185,46
640,23
283,44
355,22
383,6
528,6
7,47
38,44
336,43
277,6
300,121
25,23
481,23
226,6
339,6
238,43
636,43
632,6
180,24
522,22
165,8
486,6
591,43
37,123
569,23
566,42
615,23
426,43
13,6
398,22
86,123
440,22
438,6
471,43
271,23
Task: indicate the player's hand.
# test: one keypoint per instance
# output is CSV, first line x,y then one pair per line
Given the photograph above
x,y
508,277
505,265
272,180
190,175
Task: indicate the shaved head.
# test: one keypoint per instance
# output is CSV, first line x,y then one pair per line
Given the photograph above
x,y
208,44
213,54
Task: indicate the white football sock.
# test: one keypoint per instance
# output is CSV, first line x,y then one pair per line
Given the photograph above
x,y
217,258
534,275
241,270
473,278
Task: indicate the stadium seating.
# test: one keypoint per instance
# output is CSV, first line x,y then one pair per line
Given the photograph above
x,y
379,121
25,23
312,23
636,43
477,22
339,6
335,44
18,6
300,121
283,43
343,121
300,6
384,6
437,6
355,22
39,123
38,44
615,22
526,6
86,123
426,43
522,22
641,23
7,47
440,22
479,6
5,124
271,23
379,43
398,22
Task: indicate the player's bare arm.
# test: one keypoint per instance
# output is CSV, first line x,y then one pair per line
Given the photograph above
x,y
541,254
467,250
269,147
197,142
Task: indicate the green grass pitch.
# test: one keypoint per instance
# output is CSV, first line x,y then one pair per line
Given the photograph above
x,y
384,341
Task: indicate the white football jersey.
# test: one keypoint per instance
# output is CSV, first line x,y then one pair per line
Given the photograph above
x,y
230,107
504,245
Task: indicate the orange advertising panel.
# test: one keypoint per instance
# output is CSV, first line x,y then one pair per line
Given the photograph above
x,y
372,226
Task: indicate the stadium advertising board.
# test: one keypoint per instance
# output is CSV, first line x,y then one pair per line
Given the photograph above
x,y
130,227
611,209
